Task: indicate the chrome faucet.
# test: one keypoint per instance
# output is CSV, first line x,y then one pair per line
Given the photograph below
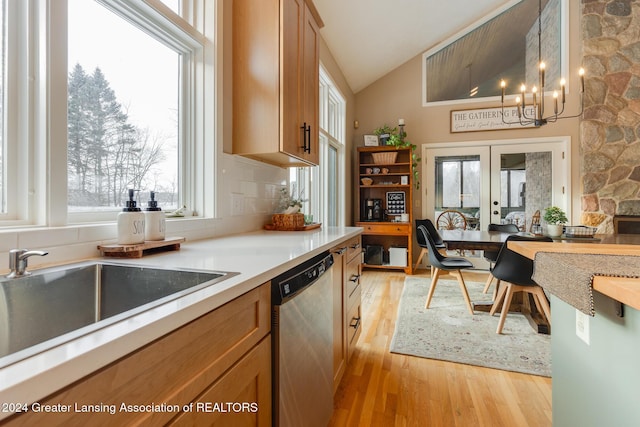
x,y
18,262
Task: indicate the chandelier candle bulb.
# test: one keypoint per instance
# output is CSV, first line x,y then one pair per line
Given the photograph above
x,y
535,114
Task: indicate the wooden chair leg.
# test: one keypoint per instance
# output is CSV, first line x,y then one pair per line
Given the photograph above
x,y
542,301
435,275
495,290
496,300
488,284
422,253
505,308
463,288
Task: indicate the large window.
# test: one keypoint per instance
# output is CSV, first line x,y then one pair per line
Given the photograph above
x,y
322,186
505,46
123,111
98,96
3,63
332,136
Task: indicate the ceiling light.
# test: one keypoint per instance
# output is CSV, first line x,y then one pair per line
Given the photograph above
x,y
533,113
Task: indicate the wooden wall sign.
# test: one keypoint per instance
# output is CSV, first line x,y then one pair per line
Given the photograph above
x,y
483,119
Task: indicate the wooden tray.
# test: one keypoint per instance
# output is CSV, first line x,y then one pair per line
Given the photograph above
x,y
304,228
140,249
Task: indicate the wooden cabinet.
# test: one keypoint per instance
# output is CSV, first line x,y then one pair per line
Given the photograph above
x,y
346,304
276,58
385,191
223,356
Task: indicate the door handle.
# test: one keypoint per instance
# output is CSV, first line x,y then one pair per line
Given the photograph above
x,y
496,212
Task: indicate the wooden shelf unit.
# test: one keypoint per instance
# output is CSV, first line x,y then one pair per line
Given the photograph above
x,y
387,232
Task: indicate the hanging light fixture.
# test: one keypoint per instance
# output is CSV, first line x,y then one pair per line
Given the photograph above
x,y
533,113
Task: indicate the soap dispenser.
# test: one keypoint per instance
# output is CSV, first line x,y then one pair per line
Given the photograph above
x,y
154,220
131,223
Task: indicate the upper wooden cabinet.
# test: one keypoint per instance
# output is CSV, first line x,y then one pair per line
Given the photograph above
x,y
276,54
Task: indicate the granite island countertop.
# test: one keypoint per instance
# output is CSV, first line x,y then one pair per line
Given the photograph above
x,y
257,257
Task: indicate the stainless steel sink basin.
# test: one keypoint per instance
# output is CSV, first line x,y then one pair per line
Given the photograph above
x,y
56,305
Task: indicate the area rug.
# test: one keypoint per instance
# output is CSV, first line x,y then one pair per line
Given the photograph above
x,y
446,331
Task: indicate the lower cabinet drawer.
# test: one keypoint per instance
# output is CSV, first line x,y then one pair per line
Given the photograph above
x,y
388,229
246,388
354,248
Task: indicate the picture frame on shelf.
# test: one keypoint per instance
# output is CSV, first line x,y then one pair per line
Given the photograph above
x,y
371,141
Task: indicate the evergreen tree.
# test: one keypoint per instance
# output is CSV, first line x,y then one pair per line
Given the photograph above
x,y
106,154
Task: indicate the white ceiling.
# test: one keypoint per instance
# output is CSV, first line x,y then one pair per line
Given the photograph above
x,y
369,38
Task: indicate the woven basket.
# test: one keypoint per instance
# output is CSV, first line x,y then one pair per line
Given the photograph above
x,y
288,221
579,231
385,158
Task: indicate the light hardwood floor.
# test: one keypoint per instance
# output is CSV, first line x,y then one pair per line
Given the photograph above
x,y
384,389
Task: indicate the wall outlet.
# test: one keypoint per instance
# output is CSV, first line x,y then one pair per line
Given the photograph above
x,y
582,326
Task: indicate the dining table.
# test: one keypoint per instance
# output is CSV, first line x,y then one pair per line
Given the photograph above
x,y
462,240
472,240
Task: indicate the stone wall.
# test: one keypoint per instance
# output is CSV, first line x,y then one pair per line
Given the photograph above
x,y
550,47
610,128
539,183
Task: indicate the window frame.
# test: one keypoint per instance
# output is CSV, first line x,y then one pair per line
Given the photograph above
x,y
332,135
37,110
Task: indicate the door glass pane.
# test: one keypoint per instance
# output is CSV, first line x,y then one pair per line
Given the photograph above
x,y
525,185
457,186
123,112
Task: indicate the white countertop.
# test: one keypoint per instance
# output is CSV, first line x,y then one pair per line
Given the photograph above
x,y
258,257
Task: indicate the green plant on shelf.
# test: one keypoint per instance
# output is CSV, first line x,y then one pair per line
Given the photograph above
x,y
397,139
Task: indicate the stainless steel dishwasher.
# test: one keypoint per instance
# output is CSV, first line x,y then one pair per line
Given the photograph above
x,y
302,334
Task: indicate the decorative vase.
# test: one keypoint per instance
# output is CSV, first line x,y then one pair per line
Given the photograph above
x,y
555,230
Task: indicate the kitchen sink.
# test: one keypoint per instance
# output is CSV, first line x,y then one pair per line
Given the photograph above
x,y
56,305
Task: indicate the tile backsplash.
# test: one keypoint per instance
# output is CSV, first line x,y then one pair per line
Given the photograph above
x,y
249,194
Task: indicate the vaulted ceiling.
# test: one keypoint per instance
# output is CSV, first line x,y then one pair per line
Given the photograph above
x,y
369,38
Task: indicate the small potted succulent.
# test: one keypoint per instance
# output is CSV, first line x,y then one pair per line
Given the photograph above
x,y
555,219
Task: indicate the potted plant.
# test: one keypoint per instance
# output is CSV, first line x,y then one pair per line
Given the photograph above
x,y
555,219
395,139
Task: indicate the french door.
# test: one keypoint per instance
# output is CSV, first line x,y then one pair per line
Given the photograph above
x,y
503,181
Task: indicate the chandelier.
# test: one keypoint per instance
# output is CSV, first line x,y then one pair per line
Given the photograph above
x,y
533,113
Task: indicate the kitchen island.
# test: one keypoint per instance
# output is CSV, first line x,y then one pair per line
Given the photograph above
x,y
594,359
257,257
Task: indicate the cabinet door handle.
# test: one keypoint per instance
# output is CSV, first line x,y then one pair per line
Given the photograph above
x,y
340,251
307,138
355,323
355,246
304,136
354,278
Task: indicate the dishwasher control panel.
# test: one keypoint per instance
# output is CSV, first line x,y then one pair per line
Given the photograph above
x,y
286,285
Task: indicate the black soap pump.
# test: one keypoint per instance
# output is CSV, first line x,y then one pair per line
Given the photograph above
x,y
131,222
154,219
